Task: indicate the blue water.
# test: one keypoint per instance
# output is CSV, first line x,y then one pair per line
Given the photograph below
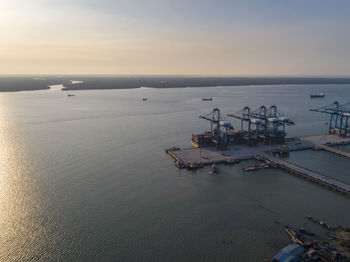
x,y
85,178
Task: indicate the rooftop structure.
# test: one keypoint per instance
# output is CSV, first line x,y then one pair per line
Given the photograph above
x,y
289,253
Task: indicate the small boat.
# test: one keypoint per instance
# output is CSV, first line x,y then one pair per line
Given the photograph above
x,y
207,99
231,161
256,167
252,167
144,99
320,95
213,169
194,166
264,166
311,218
295,237
71,95
290,231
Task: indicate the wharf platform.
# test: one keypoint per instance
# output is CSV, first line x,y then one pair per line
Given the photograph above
x,y
204,156
209,155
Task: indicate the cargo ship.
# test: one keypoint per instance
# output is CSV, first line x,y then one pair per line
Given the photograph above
x,y
320,95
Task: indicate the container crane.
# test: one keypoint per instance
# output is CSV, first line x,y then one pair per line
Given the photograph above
x,y
247,121
339,117
219,127
263,123
335,113
344,120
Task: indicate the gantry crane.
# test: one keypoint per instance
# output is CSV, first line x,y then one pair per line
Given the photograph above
x,y
263,123
339,117
247,124
219,127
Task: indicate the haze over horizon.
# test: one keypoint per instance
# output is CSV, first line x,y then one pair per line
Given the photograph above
x,y
175,38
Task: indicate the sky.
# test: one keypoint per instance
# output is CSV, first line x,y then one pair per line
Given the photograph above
x,y
157,37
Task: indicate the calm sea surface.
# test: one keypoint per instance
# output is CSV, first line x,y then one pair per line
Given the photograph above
x,y
86,178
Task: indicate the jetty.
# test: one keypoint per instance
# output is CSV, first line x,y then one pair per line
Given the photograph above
x,y
334,150
335,185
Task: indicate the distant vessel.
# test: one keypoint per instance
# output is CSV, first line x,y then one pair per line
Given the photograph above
x,y
207,99
320,95
144,99
70,95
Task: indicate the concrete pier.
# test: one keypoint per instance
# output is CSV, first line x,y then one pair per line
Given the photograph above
x,y
204,156
308,174
335,151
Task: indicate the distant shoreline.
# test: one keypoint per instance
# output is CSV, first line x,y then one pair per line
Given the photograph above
x,y
14,84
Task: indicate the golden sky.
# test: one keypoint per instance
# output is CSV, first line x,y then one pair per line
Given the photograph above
x,y
175,37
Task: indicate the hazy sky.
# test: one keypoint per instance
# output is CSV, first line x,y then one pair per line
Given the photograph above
x,y
217,37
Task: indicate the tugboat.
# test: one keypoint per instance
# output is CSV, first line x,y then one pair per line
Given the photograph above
x,y
194,166
320,95
290,231
295,237
213,169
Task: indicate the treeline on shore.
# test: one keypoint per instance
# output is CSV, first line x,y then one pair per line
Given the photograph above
x,y
27,83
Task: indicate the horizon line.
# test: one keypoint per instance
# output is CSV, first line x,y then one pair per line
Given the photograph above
x,y
174,75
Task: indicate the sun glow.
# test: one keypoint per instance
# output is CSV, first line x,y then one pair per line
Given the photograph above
x,y
17,194
170,37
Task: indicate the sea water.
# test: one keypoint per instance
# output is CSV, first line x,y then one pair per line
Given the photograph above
x,y
86,178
